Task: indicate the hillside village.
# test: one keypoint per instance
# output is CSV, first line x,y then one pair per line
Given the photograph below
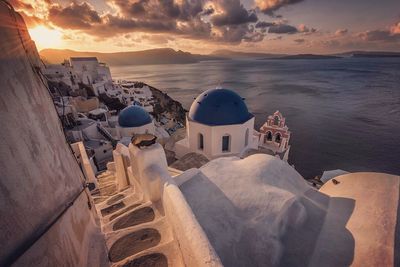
x,y
102,112
89,101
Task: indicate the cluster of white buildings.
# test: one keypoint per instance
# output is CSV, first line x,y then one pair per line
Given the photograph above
x,y
89,120
100,130
86,70
130,94
90,72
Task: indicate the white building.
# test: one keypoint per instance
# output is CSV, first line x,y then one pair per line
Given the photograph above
x,y
218,124
93,73
61,73
86,70
134,120
132,94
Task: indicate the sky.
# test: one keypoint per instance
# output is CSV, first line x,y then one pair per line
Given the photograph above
x,y
203,26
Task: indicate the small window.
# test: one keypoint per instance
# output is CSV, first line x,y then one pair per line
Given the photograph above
x,y
278,138
269,136
201,141
226,143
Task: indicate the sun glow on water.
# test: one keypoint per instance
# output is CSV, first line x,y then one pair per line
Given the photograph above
x,y
45,37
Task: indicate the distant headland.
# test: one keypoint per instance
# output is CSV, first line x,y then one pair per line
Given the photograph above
x,y
307,56
145,57
171,56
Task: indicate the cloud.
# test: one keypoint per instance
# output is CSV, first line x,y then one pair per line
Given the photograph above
x,y
31,20
217,21
236,33
151,16
390,35
378,39
21,5
264,24
270,6
223,21
207,11
341,32
114,24
233,13
157,38
33,12
304,29
379,36
74,16
282,29
331,43
254,37
157,9
277,38
395,29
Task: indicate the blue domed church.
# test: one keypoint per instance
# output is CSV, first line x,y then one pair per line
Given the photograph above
x,y
134,120
218,124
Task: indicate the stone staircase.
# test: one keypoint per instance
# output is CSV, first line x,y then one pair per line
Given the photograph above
x,y
137,232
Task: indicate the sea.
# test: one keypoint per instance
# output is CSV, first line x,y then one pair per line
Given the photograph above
x,y
342,113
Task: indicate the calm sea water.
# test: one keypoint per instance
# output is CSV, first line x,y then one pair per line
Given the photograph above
x,y
343,113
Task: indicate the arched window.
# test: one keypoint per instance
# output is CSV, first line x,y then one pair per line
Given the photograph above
x,y
201,141
246,137
226,143
278,138
276,120
268,137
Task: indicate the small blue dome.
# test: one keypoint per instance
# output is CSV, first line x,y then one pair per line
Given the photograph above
x,y
133,116
219,107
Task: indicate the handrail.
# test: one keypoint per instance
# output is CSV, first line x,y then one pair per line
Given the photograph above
x,y
107,135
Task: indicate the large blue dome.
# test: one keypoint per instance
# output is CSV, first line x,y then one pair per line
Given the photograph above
x,y
133,116
219,107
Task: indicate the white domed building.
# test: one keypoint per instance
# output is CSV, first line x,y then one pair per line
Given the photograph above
x,y
134,120
218,124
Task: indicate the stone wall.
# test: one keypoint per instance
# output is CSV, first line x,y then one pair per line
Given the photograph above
x,y
39,175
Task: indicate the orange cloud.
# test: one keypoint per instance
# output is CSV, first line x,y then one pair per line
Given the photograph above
x,y
270,6
395,29
341,32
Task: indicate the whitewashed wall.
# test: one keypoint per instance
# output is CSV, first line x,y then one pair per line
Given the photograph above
x,y
213,138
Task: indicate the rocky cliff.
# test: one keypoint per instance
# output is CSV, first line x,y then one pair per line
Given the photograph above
x,y
164,103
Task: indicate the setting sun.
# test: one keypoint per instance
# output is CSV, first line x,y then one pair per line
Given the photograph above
x,y
45,37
